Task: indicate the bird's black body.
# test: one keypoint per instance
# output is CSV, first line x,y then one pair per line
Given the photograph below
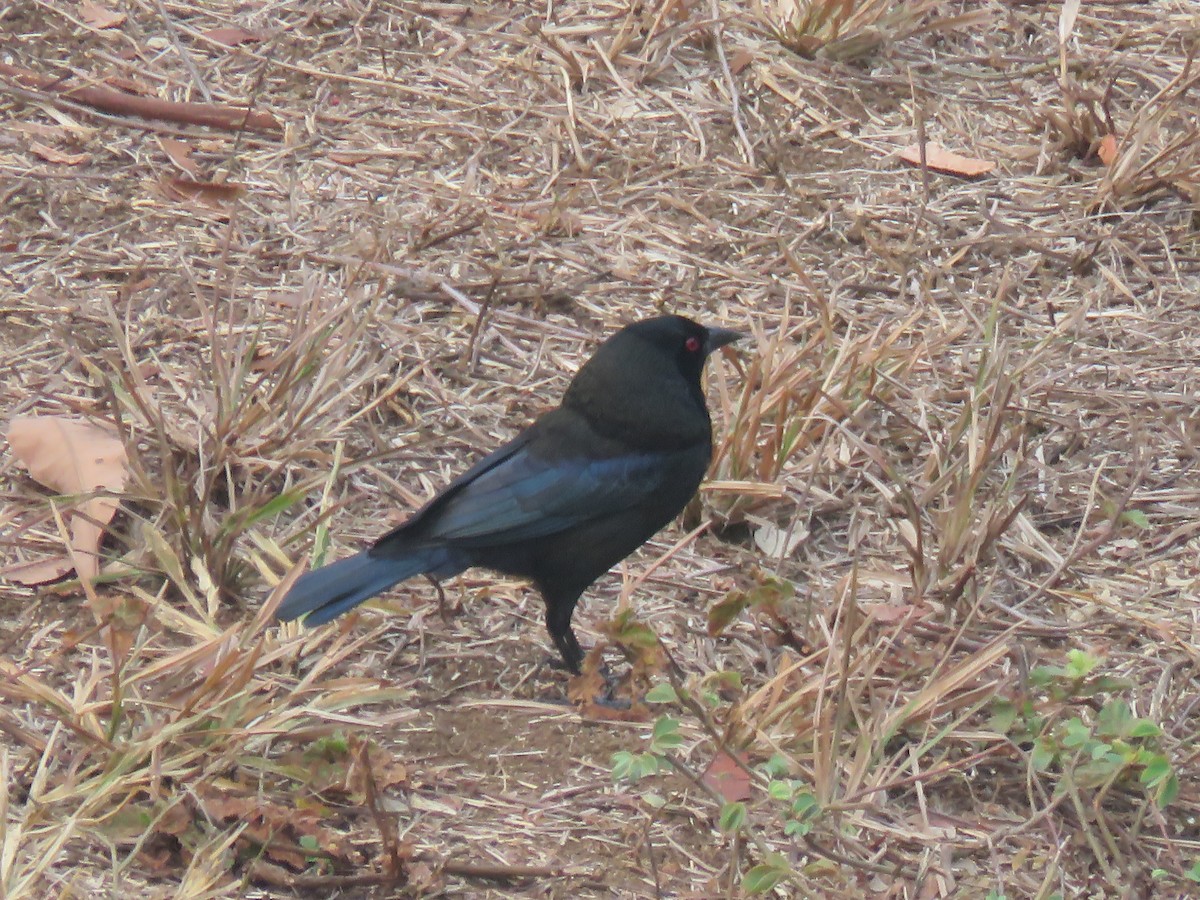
x,y
568,498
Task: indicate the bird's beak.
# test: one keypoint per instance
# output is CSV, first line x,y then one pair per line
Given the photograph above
x,y
719,337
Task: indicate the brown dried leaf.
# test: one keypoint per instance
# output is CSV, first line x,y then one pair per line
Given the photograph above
x,y
349,157
37,129
277,829
940,159
589,683
74,457
728,779
231,36
1107,149
180,154
741,59
210,193
889,613
68,455
128,85
100,16
38,571
50,154
124,615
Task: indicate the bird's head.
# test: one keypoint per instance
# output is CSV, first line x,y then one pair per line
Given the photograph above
x,y
678,338
643,384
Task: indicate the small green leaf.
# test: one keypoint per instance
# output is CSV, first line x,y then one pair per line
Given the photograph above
x,y
622,765
633,766
1004,714
1168,790
1077,734
777,766
805,805
637,635
1043,754
653,800
331,747
664,692
722,613
1040,676
766,875
1143,728
1114,718
646,764
1136,518
733,817
1157,768
1080,664
779,790
666,733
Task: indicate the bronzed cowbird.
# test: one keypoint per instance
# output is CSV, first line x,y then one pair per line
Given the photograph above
x,y
569,497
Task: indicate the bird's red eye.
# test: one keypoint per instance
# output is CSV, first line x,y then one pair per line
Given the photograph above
x,y
692,344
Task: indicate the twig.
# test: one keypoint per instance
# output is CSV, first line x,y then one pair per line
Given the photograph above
x,y
186,57
213,115
735,103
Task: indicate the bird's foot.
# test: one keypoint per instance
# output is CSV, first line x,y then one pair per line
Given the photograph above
x,y
445,610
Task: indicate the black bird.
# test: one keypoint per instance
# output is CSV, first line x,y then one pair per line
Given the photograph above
x,y
572,495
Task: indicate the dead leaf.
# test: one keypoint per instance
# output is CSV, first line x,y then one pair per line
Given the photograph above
x,y
128,85
940,159
100,16
231,36
37,129
287,834
777,542
590,682
163,854
124,615
1107,149
210,193
730,780
49,154
288,299
38,571
180,154
74,457
1066,19
895,612
349,157
741,59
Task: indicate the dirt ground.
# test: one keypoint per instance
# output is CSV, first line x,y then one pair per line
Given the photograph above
x,y
952,515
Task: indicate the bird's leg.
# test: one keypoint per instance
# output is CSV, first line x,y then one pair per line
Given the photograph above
x,y
443,610
558,623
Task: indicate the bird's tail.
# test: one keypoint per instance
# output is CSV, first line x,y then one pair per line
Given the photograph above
x,y
327,592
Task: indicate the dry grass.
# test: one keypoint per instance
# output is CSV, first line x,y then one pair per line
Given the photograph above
x,y
950,558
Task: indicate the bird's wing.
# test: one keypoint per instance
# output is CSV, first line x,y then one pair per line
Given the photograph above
x,y
527,495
